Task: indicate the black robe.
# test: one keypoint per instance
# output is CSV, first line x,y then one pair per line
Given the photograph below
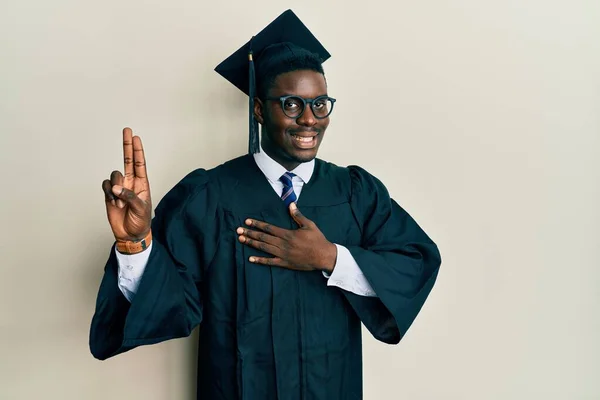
x,y
267,332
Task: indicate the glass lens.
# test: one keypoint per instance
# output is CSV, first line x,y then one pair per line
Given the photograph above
x,y
293,106
322,106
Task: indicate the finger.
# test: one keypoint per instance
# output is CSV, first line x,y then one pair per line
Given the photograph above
x,y
108,194
139,158
260,236
273,261
264,247
300,219
268,228
128,196
116,178
128,152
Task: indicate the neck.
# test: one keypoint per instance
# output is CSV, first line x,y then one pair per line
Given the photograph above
x,y
285,162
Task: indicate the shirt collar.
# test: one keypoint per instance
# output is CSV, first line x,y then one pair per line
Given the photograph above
x,y
273,170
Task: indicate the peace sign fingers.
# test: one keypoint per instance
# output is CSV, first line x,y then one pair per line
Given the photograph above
x,y
128,202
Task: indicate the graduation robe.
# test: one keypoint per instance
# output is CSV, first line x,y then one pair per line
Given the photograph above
x,y
267,332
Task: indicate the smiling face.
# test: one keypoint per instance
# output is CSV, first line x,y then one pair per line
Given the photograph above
x,y
291,141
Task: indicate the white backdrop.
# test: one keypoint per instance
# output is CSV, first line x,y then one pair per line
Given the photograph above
x,y
482,117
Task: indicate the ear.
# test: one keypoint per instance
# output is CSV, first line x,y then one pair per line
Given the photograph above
x,y
258,110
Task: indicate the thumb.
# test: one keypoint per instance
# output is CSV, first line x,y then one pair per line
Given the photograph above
x,y
130,198
300,219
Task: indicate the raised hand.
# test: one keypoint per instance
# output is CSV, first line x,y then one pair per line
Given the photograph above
x,y
128,202
304,249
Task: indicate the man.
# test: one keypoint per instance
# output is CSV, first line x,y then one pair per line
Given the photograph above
x,y
278,256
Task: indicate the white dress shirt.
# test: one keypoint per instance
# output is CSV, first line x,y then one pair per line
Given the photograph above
x,y
346,274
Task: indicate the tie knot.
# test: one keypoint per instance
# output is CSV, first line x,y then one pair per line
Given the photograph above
x,y
287,178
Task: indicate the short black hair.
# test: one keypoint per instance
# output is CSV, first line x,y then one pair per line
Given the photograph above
x,y
269,72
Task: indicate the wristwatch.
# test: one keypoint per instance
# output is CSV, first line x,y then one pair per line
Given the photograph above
x,y
133,247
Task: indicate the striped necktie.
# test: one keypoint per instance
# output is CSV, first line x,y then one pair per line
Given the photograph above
x,y
288,196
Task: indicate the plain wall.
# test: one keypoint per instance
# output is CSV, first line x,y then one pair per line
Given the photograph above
x,y
482,118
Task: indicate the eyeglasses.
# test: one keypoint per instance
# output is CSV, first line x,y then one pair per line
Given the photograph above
x,y
294,106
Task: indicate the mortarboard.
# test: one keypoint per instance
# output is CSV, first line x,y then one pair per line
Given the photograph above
x,y
285,35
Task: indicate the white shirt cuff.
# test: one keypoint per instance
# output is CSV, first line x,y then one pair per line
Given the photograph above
x,y
131,269
347,275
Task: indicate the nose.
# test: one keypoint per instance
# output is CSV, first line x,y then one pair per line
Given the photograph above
x,y
307,118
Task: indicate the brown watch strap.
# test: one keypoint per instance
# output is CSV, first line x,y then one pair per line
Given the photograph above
x,y
133,247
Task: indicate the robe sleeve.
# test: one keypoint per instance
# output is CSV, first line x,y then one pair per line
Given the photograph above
x,y
396,256
168,303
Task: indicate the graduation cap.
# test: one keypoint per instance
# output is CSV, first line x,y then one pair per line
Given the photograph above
x,y
284,37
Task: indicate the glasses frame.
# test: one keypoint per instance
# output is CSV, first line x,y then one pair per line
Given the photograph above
x,y
311,102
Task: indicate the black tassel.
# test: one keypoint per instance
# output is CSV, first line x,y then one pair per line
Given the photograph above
x,y
253,144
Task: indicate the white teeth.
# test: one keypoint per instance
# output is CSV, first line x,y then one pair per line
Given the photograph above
x,y
303,139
